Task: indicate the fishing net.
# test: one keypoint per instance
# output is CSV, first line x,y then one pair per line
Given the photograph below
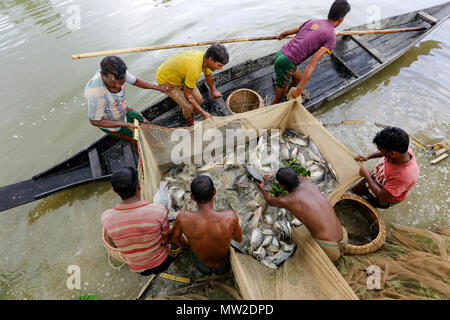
x,y
413,264
309,273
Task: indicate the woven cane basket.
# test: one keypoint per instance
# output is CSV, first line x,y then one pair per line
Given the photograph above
x,y
112,251
373,216
244,100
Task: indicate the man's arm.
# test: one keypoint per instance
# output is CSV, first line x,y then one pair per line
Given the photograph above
x,y
271,201
190,98
237,233
214,93
177,235
372,156
112,124
309,71
164,88
381,193
286,33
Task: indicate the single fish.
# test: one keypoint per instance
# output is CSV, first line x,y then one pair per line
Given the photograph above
x,y
207,167
281,256
268,264
242,181
254,173
256,239
298,141
267,241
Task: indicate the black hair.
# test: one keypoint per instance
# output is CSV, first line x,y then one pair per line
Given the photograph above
x,y
392,139
124,182
288,178
115,66
202,189
218,53
338,9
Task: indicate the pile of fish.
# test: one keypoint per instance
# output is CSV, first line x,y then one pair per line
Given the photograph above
x,y
266,229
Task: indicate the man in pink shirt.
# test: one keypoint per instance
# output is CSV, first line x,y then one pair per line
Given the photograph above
x,y
140,229
313,38
394,176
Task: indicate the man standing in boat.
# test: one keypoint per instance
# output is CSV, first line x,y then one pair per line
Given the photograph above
x,y
183,70
394,176
307,204
207,232
314,37
140,229
105,94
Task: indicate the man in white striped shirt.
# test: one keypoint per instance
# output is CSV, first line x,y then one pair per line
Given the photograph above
x,y
105,94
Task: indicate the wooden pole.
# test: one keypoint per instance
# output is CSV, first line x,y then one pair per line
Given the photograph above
x,y
203,43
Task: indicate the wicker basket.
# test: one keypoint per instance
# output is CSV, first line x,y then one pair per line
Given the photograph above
x,y
112,251
373,216
244,100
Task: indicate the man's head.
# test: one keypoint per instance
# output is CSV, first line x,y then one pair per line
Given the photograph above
x,y
338,11
113,71
202,189
125,182
392,142
287,178
216,56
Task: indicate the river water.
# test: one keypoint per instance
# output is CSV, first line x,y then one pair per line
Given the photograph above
x,y
45,116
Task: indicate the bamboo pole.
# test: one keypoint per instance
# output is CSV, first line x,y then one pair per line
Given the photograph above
x,y
203,43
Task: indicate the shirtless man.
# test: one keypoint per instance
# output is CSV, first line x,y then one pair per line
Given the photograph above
x,y
306,202
207,232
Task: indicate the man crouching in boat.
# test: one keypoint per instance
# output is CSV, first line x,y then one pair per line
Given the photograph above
x,y
394,176
306,203
314,37
183,70
140,229
207,232
105,94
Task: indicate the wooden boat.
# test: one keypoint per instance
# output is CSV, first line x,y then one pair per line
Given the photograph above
x,y
354,59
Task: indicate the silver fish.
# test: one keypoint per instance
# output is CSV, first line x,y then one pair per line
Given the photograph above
x,y
267,241
260,253
298,141
256,239
268,264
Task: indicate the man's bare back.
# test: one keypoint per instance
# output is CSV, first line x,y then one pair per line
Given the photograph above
x,y
307,203
209,234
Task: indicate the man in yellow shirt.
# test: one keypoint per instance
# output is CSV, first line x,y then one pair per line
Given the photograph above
x,y
183,70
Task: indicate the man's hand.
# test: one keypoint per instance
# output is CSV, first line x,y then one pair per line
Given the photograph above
x,y
130,126
206,115
166,88
278,36
260,184
294,93
361,158
216,94
364,172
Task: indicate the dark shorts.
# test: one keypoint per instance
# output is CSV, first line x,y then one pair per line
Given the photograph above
x,y
125,133
223,269
174,252
372,199
284,69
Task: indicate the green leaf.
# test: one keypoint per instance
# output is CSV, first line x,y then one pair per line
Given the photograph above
x,y
87,297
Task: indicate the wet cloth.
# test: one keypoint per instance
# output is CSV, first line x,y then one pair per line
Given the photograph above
x,y
138,229
284,69
104,104
177,95
397,179
311,36
334,250
183,69
125,133
207,270
174,253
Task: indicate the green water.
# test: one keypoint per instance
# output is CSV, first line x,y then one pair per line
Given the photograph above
x,y
44,116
